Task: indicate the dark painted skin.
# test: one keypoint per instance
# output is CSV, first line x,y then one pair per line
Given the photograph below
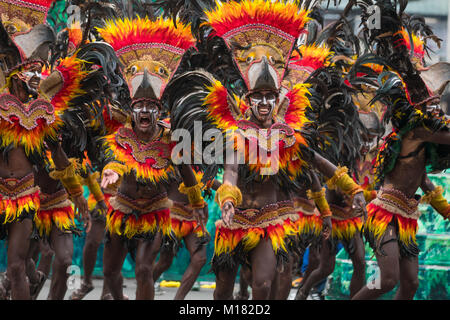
x,y
146,129
262,258
407,176
17,166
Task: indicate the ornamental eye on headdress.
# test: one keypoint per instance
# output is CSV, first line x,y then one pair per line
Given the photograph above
x,y
24,20
261,35
150,50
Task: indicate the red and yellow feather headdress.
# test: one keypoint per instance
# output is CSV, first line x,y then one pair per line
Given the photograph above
x,y
305,61
143,43
417,45
252,28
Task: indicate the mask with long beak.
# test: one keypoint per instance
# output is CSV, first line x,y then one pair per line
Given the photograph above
x,y
261,35
24,22
151,52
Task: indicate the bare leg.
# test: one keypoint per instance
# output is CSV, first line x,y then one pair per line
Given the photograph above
x,y
113,257
389,265
33,257
18,246
325,268
62,244
264,266
409,281
313,262
164,262
198,260
286,280
93,241
244,280
45,263
225,283
145,258
359,266
36,277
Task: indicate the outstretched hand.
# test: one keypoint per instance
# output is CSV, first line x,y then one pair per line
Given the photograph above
x,y
228,213
359,205
81,206
326,227
109,177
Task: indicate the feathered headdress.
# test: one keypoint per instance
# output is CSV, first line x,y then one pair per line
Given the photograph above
x,y
261,34
150,51
305,61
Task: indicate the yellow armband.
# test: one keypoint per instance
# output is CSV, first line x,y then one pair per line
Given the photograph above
x,y
227,192
194,194
69,179
320,201
118,168
343,181
369,195
436,199
91,181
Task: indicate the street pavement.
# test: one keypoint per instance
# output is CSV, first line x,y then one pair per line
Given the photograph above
x,y
166,293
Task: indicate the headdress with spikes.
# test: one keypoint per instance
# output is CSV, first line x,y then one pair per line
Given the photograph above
x,y
150,51
261,34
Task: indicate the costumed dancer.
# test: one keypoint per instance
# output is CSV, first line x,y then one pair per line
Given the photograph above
x,y
260,35
150,51
187,228
31,116
418,140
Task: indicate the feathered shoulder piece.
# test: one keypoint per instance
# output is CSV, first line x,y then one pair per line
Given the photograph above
x,y
149,161
27,125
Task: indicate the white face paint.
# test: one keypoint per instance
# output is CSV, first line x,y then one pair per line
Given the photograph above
x,y
145,114
31,77
263,104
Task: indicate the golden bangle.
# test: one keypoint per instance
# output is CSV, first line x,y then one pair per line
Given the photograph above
x,y
68,178
320,201
68,172
344,182
117,167
94,186
430,195
436,199
228,192
369,195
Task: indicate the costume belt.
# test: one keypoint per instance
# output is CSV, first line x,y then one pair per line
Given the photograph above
x,y
269,215
340,213
397,202
182,211
57,200
16,188
127,205
305,206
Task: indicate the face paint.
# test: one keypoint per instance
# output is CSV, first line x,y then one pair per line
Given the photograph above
x,y
145,114
32,77
263,104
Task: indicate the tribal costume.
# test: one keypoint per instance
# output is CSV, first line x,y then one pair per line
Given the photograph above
x,y
150,51
406,92
28,125
260,36
183,221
